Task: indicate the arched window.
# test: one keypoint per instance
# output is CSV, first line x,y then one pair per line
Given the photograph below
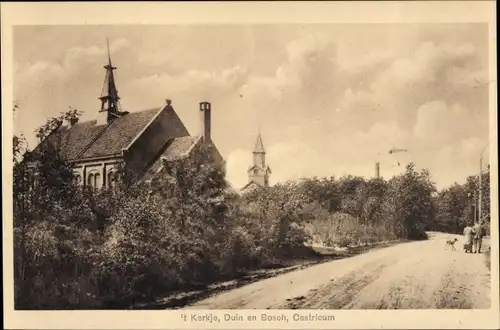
x,y
256,171
94,180
78,179
112,178
33,177
90,180
97,181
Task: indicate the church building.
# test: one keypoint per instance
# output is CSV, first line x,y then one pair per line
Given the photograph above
x,y
141,141
258,173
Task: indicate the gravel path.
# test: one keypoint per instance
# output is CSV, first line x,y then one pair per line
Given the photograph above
x,y
409,275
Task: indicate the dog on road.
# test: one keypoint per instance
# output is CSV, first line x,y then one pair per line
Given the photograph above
x,y
450,243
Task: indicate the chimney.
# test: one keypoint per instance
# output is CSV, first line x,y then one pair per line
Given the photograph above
x,y
205,121
377,170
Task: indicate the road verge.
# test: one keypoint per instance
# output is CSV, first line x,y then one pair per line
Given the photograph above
x,y
324,254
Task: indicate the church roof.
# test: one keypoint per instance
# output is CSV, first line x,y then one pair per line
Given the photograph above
x,y
72,141
259,146
180,147
87,140
250,186
174,149
267,168
120,133
177,149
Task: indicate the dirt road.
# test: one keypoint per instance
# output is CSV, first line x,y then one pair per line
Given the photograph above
x,y
410,275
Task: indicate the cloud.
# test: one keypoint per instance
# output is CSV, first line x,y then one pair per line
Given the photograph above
x,y
73,62
430,119
325,107
453,160
394,108
439,123
192,82
46,88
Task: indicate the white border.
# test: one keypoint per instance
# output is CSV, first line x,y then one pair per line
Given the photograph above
x,y
239,13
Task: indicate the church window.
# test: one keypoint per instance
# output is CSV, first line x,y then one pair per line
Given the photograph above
x,y
90,181
97,180
34,179
112,177
78,179
94,180
256,171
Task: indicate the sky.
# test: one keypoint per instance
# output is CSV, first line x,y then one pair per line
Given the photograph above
x,y
330,99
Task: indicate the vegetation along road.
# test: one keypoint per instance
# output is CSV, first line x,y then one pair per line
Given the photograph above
x,y
410,275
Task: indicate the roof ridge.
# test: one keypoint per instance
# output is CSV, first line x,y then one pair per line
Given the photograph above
x,y
196,140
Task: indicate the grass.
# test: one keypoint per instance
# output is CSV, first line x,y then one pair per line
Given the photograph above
x,y
452,301
487,259
451,298
487,251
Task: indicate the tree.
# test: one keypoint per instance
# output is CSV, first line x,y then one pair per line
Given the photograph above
x,y
45,202
451,205
352,190
486,201
408,203
47,177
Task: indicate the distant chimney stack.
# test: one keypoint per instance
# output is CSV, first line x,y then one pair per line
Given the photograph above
x,y
377,170
205,121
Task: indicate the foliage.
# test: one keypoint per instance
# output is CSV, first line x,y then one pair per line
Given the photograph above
x,y
408,203
355,211
184,227
457,206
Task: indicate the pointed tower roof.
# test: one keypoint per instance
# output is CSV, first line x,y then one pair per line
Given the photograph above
x,y
109,94
259,146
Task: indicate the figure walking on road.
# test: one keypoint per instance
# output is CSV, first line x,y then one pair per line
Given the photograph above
x,y
478,238
469,235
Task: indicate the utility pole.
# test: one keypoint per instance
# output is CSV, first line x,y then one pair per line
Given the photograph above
x,y
480,206
474,198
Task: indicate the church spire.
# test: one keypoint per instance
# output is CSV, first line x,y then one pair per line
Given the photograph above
x,y
109,94
259,145
259,172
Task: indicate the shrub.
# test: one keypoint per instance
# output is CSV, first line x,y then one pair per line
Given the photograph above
x,y
76,248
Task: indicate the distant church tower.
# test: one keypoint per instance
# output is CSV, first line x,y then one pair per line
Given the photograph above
x,y
258,173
